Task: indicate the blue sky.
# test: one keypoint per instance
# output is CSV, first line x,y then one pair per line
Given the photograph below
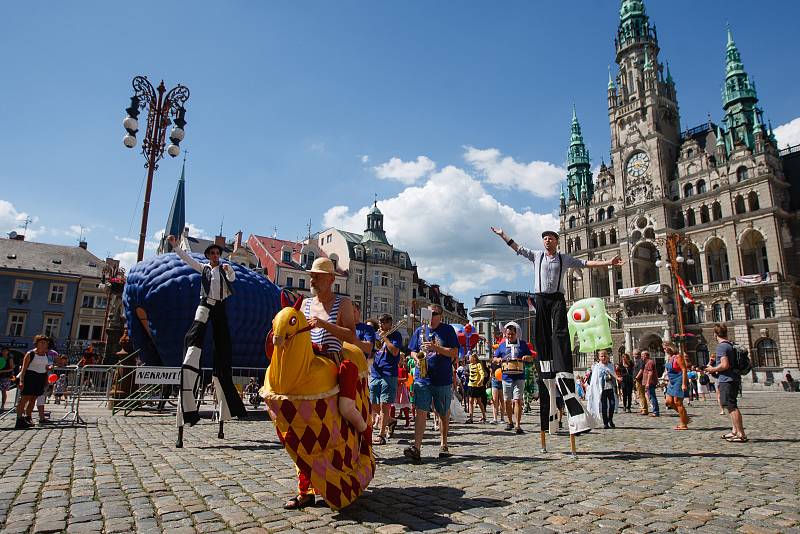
x,y
295,107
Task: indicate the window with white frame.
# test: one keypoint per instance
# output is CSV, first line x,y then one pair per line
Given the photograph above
x,y
376,278
337,288
286,256
57,293
384,279
289,281
16,323
301,282
52,325
87,301
403,283
359,276
23,289
384,305
402,260
100,302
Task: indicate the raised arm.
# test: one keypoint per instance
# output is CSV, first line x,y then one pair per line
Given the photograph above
x,y
190,261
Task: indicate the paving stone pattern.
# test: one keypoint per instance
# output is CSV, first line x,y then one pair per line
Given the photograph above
x,y
124,475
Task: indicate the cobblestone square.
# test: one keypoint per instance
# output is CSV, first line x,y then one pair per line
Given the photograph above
x,y
124,475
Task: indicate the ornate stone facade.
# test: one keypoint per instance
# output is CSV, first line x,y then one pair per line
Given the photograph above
x,y
721,186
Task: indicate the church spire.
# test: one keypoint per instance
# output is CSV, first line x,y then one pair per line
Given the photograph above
x,y
739,97
579,177
177,213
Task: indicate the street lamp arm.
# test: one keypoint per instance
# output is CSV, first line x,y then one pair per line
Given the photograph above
x,y
144,90
176,97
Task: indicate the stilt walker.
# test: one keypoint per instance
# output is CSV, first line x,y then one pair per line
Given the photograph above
x,y
215,287
551,336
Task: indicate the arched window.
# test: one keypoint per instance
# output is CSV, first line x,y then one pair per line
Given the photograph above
x,y
701,187
690,220
311,258
701,313
691,314
738,206
601,214
612,236
716,211
767,353
569,245
649,233
741,174
717,261
572,222
728,311
578,243
602,239
689,153
754,253
704,215
769,308
603,182
752,201
680,221
717,309
594,240
688,190
643,262
752,309
610,212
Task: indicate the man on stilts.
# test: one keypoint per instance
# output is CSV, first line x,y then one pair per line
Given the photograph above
x,y
215,287
551,333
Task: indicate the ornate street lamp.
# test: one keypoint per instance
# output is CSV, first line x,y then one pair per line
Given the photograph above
x,y
159,109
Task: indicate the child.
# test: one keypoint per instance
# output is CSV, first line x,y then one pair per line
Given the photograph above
x,y
58,389
402,404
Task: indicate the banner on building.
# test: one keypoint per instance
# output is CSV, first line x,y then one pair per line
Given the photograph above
x,y
752,279
641,290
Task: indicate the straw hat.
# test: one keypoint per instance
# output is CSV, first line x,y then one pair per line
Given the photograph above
x,y
322,265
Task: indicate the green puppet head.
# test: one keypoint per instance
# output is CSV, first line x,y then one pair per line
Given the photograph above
x,y
588,318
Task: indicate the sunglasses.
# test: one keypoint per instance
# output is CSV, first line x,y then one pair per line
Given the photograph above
x,y
434,314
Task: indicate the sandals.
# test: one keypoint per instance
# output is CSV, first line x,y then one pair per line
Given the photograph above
x,y
391,426
469,421
299,501
412,453
737,439
444,452
681,428
379,440
729,435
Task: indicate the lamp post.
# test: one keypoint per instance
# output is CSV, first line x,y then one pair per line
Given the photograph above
x,y
675,244
160,107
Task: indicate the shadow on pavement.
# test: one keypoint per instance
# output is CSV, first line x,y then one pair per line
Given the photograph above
x,y
418,508
640,455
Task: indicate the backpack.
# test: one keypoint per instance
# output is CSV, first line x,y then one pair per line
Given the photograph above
x,y
741,364
704,380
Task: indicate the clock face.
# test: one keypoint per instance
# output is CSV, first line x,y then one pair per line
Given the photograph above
x,y
638,164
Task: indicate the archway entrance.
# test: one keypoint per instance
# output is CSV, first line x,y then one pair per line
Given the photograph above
x,y
652,343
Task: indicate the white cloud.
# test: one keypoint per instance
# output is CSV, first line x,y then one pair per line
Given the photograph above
x,y
540,178
126,259
319,147
405,172
788,134
13,220
364,158
444,225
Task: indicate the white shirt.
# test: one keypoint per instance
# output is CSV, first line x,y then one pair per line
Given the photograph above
x,y
216,274
549,271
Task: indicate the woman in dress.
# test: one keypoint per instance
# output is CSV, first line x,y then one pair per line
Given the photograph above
x,y
32,379
402,405
678,386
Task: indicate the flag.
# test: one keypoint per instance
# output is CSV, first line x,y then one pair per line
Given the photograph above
x,y
531,306
685,295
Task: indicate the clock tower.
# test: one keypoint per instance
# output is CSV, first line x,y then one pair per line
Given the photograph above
x,y
643,114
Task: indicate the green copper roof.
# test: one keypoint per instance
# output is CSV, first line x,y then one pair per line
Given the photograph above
x,y
669,76
580,186
733,60
610,79
648,65
630,8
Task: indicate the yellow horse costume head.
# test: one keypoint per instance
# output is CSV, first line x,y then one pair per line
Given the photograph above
x,y
301,392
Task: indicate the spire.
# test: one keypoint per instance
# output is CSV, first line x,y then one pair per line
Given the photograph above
x,y
720,139
579,176
733,59
610,79
561,196
177,213
669,76
756,122
648,65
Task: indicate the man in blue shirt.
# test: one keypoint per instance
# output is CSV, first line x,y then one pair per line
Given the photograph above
x,y
512,355
383,377
729,383
438,344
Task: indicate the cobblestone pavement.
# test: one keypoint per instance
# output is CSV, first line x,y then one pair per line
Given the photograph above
x,y
124,475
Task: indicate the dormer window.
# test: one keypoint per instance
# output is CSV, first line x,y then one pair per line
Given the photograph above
x,y
286,256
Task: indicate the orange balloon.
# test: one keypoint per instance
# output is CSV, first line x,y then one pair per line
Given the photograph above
x,y
498,374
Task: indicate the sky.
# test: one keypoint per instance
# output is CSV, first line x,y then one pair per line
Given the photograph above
x,y
454,115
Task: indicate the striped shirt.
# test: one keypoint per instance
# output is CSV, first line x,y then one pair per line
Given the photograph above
x,y
319,335
548,271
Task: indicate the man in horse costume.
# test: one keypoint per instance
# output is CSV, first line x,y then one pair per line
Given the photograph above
x,y
317,395
215,287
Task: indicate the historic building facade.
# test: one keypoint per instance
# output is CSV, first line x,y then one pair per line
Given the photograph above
x,y
492,310
721,187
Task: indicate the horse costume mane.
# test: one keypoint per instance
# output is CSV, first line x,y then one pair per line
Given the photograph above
x,y
301,390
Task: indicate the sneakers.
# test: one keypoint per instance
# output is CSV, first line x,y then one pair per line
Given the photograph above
x,y
412,453
444,452
493,422
509,426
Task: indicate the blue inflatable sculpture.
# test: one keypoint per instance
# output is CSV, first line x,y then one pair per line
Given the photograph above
x,y
160,299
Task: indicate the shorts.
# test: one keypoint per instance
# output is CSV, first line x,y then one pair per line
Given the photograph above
x,y
728,392
34,383
438,396
514,390
476,392
382,390
497,384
